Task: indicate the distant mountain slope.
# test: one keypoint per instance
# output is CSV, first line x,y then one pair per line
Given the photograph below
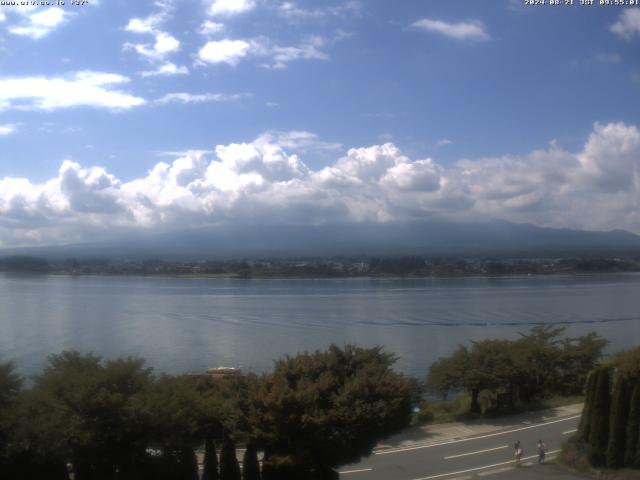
x,y
497,238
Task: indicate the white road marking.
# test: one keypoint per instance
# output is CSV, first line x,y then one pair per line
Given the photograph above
x,y
473,453
418,447
570,431
356,471
480,468
497,470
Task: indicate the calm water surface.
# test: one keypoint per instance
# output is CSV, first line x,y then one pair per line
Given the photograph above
x,y
193,324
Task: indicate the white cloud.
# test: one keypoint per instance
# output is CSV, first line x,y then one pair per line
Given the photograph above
x,y
211,28
297,141
164,44
232,51
165,70
308,51
224,51
87,88
443,142
292,11
596,187
8,129
182,97
3,17
230,7
39,24
471,30
628,24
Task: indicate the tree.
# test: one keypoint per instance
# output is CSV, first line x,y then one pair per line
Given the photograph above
x,y
171,411
539,353
631,458
618,422
445,374
324,409
587,411
578,356
83,408
229,468
599,428
210,470
250,465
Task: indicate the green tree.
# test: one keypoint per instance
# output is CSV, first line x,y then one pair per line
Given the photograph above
x,y
445,373
171,411
250,465
540,353
210,467
324,409
631,458
83,407
599,429
618,422
587,411
229,467
578,356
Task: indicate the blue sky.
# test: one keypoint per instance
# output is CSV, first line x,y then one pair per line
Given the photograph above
x,y
293,111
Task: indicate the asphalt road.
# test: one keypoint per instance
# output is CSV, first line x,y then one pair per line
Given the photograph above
x,y
479,455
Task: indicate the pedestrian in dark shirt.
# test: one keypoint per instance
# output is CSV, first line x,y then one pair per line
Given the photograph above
x,y
542,451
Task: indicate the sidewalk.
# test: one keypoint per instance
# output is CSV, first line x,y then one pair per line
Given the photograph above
x,y
443,432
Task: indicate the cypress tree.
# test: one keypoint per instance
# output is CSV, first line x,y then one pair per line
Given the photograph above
x,y
250,465
587,411
633,428
618,422
188,464
229,468
210,471
599,428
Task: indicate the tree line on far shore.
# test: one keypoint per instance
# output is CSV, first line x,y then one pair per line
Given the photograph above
x,y
116,419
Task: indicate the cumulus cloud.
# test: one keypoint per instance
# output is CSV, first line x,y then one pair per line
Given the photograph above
x,y
232,51
7,129
293,11
165,70
224,51
596,187
86,88
230,7
211,28
164,43
628,24
470,30
39,23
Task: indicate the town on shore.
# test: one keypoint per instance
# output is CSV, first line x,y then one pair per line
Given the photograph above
x,y
418,266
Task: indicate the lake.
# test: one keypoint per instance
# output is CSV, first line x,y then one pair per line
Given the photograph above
x,y
192,324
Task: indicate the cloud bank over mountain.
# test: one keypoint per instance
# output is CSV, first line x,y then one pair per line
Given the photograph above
x,y
266,181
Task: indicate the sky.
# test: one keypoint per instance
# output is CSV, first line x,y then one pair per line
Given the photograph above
x,y
170,114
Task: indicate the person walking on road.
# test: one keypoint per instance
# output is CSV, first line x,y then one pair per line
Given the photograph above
x,y
517,452
542,451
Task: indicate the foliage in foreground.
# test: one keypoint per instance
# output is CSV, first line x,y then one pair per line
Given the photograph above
x,y
610,423
504,373
114,419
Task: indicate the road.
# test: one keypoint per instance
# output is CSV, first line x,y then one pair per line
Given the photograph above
x,y
463,458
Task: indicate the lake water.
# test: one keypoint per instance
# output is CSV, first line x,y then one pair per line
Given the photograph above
x,y
192,324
